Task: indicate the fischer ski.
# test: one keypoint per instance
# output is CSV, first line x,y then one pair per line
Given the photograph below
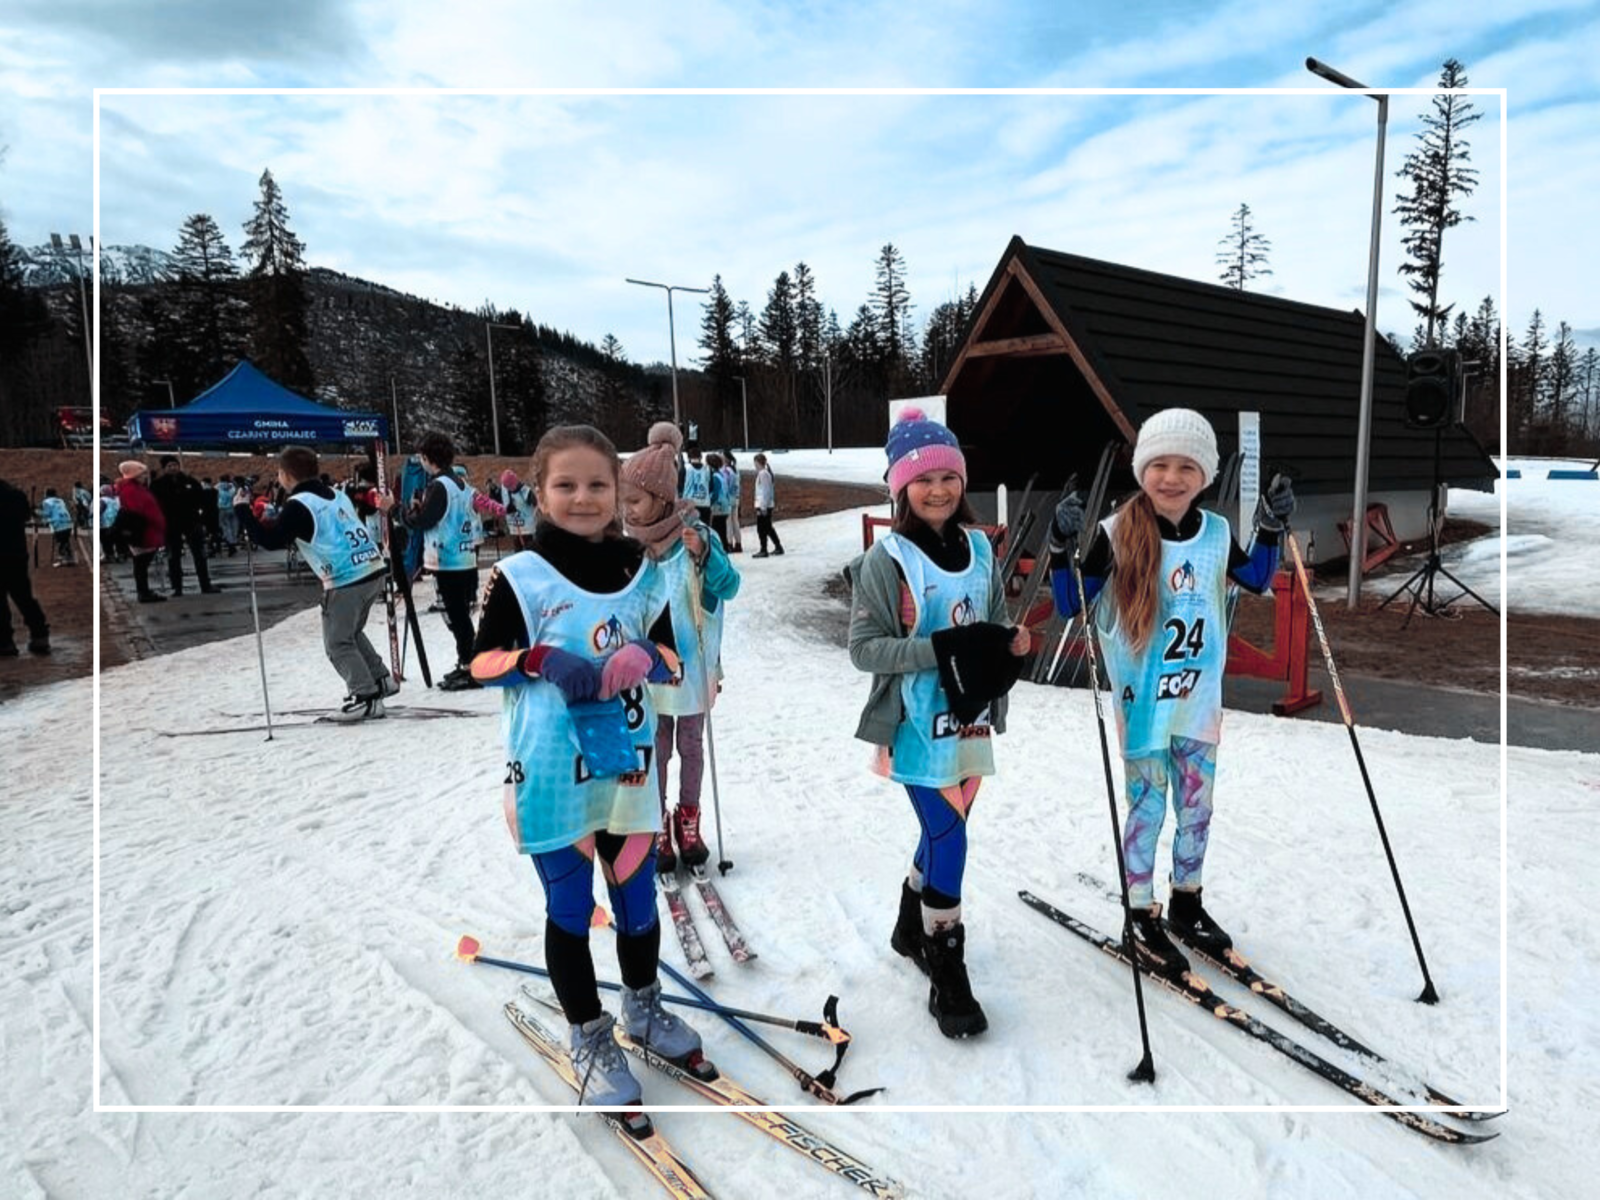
x,y
1195,990
1238,968
720,917
694,949
633,1126
722,1090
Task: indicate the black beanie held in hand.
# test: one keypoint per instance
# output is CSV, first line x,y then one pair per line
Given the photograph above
x,y
976,666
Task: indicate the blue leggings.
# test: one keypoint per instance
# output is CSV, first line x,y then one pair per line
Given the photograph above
x,y
941,858
1190,766
629,864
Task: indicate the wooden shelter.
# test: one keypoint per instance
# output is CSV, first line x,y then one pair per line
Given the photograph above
x,y
1065,352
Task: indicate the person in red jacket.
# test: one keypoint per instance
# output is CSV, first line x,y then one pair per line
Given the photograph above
x,y
141,524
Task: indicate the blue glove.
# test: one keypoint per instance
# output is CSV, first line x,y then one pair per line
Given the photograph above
x,y
576,676
1276,505
1067,523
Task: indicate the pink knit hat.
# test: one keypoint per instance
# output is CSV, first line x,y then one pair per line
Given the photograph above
x,y
509,480
131,468
918,444
654,470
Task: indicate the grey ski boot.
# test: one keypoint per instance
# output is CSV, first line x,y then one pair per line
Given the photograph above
x,y
658,1031
601,1066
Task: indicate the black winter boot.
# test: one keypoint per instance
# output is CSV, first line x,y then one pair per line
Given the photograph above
x,y
907,936
1188,921
950,993
1154,948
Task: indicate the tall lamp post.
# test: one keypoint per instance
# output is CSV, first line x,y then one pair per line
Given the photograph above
x,y
172,397
672,334
744,405
1369,350
76,249
494,409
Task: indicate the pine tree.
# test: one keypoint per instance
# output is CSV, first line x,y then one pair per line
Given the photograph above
x,y
721,362
279,307
1439,176
1527,389
1562,377
210,316
23,318
1586,389
808,318
1243,253
612,349
891,305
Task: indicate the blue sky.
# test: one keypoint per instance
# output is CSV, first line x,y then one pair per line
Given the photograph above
x,y
547,203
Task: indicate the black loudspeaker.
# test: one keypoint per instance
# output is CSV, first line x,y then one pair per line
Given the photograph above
x,y
1434,389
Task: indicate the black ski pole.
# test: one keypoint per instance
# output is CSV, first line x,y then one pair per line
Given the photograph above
x,y
1429,994
1145,1071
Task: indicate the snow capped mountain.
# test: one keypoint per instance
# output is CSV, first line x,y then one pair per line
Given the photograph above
x,y
43,266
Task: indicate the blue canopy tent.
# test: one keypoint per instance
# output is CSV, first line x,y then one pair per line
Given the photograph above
x,y
246,408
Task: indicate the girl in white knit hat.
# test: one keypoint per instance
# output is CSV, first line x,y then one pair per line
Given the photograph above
x,y
1163,628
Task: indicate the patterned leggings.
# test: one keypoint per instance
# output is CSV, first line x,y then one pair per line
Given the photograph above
x,y
1191,768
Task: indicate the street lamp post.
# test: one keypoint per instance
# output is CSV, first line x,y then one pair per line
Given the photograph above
x,y
744,404
83,296
1369,350
827,388
494,410
172,397
672,334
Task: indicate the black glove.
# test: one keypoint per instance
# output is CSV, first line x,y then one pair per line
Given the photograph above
x,y
1275,506
1067,523
976,666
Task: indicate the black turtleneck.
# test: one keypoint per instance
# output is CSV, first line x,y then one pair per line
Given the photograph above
x,y
950,549
601,567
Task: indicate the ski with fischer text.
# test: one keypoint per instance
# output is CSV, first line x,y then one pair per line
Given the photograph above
x,y
632,1126
1195,990
722,1090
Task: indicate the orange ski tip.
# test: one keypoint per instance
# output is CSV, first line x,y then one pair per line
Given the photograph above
x,y
467,948
839,1037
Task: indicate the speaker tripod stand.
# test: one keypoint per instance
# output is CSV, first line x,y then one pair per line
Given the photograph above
x,y
1421,584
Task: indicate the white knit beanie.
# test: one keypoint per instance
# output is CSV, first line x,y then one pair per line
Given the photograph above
x,y
1177,431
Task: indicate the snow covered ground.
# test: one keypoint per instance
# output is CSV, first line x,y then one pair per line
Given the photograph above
x,y
278,920
1547,521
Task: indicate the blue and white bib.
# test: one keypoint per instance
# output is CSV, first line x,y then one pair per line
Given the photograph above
x,y
341,549
697,485
1174,687
551,798
519,510
931,747
689,695
452,544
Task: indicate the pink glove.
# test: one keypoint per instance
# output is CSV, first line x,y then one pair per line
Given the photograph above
x,y
628,668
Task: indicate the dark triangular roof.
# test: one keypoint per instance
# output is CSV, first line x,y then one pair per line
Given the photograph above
x,y
1145,341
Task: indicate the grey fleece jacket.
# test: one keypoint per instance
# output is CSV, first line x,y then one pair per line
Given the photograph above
x,y
881,645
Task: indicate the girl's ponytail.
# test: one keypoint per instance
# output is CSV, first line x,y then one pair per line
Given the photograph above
x,y
1136,548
